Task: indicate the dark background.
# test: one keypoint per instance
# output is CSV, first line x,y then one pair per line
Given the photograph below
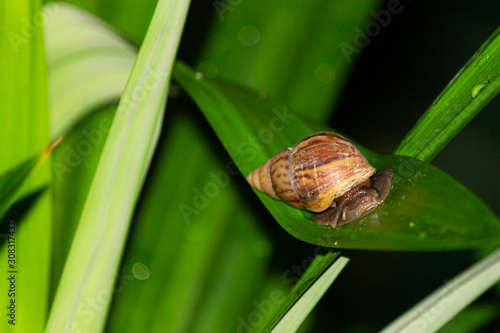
x,y
400,73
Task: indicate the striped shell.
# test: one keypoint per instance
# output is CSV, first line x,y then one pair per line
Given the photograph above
x,y
313,173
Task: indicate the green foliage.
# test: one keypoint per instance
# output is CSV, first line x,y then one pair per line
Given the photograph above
x,y
474,86
24,133
198,254
217,266
11,183
124,161
425,210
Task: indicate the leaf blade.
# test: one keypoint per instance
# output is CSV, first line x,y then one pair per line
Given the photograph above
x,y
125,158
24,132
415,216
11,183
477,83
296,315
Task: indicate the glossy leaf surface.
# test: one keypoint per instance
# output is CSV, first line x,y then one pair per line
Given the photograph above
x,y
425,210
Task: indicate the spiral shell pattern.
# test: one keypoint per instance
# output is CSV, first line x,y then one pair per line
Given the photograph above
x,y
313,173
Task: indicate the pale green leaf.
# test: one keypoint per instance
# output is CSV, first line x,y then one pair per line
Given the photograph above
x,y
88,64
438,308
100,237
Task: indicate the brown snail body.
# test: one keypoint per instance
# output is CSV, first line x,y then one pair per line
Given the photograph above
x,y
326,174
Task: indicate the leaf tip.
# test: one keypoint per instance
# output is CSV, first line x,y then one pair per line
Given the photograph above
x,y
48,150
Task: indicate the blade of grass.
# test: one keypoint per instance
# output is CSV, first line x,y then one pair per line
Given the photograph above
x,y
74,166
292,52
78,42
306,285
99,240
477,83
294,317
24,132
438,308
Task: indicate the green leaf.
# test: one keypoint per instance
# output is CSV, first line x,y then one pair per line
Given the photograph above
x,y
208,241
100,237
477,83
24,133
300,53
88,64
438,308
11,183
425,210
225,274
118,14
472,319
74,166
307,292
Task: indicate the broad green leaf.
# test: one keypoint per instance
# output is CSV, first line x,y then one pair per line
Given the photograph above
x,y
434,311
24,133
88,64
300,53
425,210
100,237
477,83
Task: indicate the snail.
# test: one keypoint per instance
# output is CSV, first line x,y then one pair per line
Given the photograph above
x,y
326,174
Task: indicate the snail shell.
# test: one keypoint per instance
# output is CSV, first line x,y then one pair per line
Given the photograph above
x,y
320,171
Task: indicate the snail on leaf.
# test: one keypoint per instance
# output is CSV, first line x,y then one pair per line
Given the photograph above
x,y
326,174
